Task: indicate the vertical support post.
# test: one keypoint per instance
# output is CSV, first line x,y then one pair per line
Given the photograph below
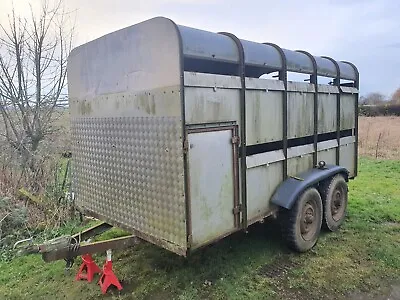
x,y
314,80
336,82
243,164
357,86
283,77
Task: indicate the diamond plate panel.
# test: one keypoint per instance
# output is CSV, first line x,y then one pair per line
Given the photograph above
x,y
130,170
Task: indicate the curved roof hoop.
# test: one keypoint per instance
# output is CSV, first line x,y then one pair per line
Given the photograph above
x,y
314,80
357,81
314,63
283,77
337,69
243,164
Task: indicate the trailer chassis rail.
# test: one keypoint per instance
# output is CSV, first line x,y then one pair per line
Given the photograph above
x,y
69,247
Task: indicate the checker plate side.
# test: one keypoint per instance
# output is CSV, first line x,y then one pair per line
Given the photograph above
x,y
129,170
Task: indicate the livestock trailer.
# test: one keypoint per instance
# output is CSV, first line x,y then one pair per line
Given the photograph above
x,y
182,136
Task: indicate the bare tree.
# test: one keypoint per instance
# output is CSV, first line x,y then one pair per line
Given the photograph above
x,y
33,60
372,99
395,97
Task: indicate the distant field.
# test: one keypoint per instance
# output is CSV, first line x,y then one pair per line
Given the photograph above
x,y
379,137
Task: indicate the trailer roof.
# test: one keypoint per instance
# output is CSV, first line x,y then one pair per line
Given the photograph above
x,y
154,53
260,58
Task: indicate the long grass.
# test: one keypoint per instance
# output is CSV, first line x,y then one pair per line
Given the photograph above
x,y
379,137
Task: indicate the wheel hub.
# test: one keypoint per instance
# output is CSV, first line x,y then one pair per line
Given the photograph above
x,y
337,205
308,225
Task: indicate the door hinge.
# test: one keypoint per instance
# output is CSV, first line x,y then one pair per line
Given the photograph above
x,y
235,140
185,146
237,209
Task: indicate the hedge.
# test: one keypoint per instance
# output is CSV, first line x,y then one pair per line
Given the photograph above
x,y
379,110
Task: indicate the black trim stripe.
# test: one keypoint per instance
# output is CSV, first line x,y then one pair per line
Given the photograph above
x,y
295,142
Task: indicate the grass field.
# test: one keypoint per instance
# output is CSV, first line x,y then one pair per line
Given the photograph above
x,y
361,261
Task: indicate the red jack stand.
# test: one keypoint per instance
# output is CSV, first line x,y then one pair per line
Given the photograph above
x,y
108,277
87,269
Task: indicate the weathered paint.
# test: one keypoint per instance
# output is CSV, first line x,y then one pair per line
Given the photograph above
x,y
300,114
327,155
192,79
300,164
126,60
264,124
347,157
126,122
209,105
263,111
211,185
157,102
326,113
347,112
129,149
261,184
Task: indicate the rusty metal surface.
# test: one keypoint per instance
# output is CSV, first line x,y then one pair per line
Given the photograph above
x,y
91,232
130,170
94,247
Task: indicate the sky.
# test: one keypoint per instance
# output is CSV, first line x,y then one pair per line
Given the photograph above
x,y
365,32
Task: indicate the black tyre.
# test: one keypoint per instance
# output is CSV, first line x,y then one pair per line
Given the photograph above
x,y
302,223
334,195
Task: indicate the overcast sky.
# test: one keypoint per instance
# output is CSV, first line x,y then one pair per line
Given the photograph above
x,y
365,32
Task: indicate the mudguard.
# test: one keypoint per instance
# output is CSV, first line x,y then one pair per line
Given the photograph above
x,y
288,191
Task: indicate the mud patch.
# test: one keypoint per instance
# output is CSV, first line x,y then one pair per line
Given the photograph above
x,y
278,268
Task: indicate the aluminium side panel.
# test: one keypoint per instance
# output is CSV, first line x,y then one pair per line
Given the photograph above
x,y
264,114
348,123
211,98
211,113
212,181
327,112
262,181
264,118
347,111
300,109
126,124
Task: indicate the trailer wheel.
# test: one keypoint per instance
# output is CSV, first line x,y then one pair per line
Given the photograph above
x,y
334,198
302,223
